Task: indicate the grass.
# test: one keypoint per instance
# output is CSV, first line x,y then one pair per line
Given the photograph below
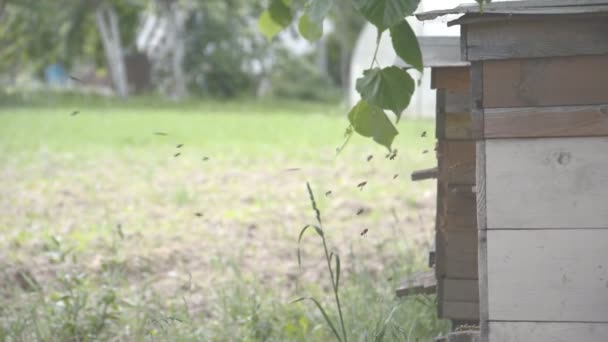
x,y
100,237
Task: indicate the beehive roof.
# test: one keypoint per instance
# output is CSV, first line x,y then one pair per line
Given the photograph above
x,y
529,7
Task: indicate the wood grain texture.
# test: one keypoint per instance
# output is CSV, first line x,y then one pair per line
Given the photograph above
x,y
457,101
457,161
504,39
477,95
564,81
457,210
419,283
482,241
458,126
451,78
547,183
548,275
527,122
547,332
457,254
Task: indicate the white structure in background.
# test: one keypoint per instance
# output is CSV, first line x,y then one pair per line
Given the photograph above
x,y
437,41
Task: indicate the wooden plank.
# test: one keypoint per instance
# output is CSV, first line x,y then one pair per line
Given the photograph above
x,y
457,161
548,275
451,78
440,117
547,183
456,252
424,174
546,122
477,89
457,210
548,332
460,310
458,126
419,283
460,290
457,101
566,81
482,242
503,39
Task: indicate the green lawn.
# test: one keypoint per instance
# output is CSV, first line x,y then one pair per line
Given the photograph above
x,y
201,246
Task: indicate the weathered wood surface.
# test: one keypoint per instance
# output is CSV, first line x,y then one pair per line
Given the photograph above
x,y
546,122
457,101
477,89
457,161
547,183
459,310
460,290
425,174
458,126
565,81
419,283
457,210
548,332
548,275
451,78
482,241
504,39
456,254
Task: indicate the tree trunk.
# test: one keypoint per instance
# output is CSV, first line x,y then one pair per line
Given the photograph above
x,y
107,25
176,39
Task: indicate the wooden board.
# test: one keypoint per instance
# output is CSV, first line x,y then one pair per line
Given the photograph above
x,y
457,101
477,89
456,254
458,126
546,121
547,183
548,332
457,210
505,39
482,239
565,81
457,161
548,275
459,310
451,78
460,290
419,283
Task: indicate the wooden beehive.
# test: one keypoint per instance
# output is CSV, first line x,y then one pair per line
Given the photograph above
x,y
539,77
454,278
456,233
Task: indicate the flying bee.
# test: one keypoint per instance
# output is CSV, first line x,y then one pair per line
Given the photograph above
x,y
328,193
199,214
205,158
74,78
176,155
423,134
161,133
395,176
360,211
293,169
364,232
75,113
361,185
370,157
179,146
425,151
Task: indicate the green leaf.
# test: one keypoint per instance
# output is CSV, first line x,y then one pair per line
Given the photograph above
x,y
309,29
327,319
386,13
406,45
388,88
276,18
317,229
371,121
318,9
